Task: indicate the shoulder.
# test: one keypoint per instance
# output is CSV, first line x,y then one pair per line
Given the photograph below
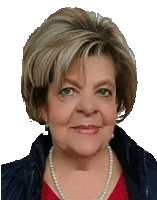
x,y
150,161
12,179
151,173
137,162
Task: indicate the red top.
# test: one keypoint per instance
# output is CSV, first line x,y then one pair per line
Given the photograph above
x,y
119,192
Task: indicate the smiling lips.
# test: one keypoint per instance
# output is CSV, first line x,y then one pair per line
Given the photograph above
x,y
87,130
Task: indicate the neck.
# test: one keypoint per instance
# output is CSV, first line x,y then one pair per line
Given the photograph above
x,y
72,161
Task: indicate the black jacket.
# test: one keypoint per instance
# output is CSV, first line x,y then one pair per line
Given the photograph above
x,y
22,179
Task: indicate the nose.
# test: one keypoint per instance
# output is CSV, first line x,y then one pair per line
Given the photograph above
x,y
87,105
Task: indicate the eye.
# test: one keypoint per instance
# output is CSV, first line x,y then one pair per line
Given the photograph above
x,y
104,93
67,91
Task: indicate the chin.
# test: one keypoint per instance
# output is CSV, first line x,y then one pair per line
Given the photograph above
x,y
86,151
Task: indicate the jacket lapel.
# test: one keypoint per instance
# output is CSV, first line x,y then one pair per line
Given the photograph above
x,y
131,158
37,157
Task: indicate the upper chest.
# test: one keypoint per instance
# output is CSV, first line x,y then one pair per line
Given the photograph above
x,y
83,185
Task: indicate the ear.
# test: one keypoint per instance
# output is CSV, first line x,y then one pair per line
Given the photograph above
x,y
43,113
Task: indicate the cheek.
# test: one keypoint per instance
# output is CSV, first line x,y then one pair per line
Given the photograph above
x,y
110,114
59,113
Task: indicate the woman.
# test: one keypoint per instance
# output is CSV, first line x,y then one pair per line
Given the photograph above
x,y
79,79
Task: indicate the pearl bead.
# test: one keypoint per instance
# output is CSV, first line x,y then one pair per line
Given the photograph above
x,y
110,171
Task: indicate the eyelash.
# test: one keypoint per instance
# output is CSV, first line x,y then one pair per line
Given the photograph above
x,y
72,89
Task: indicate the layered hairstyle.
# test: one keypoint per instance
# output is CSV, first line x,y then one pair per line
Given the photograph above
x,y
68,34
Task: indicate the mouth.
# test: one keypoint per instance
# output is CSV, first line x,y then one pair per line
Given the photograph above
x,y
87,129
87,126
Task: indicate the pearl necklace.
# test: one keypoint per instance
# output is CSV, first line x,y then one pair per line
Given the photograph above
x,y
57,183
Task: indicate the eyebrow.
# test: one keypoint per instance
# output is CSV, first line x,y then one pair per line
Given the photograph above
x,y
96,85
105,82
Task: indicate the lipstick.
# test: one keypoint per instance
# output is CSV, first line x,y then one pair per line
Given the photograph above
x,y
87,130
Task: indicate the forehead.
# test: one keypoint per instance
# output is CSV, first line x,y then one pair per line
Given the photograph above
x,y
93,67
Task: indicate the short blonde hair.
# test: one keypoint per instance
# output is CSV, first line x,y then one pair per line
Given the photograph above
x,y
67,34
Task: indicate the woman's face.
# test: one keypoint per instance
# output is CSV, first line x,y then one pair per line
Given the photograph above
x,y
82,115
